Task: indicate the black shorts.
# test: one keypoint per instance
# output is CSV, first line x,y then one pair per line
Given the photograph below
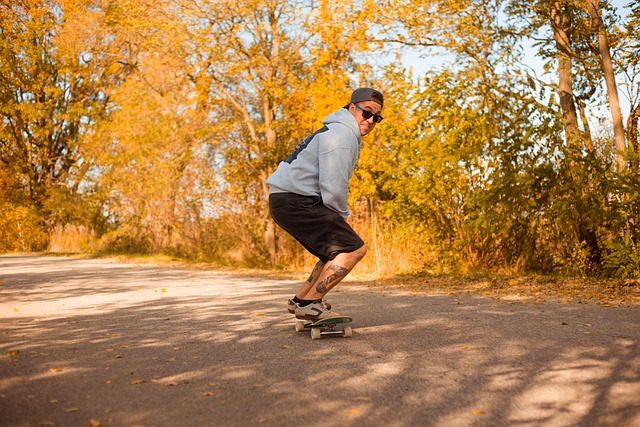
x,y
322,231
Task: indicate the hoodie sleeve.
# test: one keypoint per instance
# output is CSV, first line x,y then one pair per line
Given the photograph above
x,y
337,157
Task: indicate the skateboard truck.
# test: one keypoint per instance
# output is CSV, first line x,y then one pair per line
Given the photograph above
x,y
326,327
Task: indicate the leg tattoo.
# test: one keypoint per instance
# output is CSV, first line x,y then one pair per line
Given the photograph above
x,y
316,270
338,274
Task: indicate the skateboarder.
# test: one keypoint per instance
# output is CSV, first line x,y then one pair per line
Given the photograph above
x,y
308,195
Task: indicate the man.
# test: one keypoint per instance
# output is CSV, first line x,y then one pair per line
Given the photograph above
x,y
308,198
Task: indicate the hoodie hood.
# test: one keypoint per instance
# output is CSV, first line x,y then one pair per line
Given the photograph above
x,y
344,117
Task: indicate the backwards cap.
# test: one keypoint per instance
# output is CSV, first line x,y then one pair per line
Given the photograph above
x,y
367,94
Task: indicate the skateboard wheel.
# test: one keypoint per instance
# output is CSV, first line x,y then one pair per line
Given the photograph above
x,y
299,325
315,333
346,332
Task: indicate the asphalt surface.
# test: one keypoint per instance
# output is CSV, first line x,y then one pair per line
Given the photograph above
x,y
94,342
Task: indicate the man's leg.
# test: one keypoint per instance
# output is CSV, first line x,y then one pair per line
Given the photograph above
x,y
331,273
302,292
313,278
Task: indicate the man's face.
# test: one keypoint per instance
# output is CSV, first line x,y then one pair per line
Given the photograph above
x,y
365,125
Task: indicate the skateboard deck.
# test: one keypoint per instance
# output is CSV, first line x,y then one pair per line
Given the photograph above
x,y
327,326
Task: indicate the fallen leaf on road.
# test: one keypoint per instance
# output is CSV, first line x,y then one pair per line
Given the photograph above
x,y
95,423
137,382
72,409
13,353
477,411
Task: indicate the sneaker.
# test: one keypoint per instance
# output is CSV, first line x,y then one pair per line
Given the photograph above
x,y
291,306
315,311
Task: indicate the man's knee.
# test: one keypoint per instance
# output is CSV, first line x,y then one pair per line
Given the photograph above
x,y
360,252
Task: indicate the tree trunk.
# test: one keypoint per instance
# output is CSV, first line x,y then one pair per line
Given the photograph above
x,y
632,133
585,124
565,74
612,90
271,139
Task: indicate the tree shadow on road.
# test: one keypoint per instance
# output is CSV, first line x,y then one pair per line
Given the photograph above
x,y
143,345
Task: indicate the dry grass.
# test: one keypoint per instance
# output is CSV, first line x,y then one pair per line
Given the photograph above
x,y
523,288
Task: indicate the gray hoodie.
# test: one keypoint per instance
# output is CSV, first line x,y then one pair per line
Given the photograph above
x,y
323,163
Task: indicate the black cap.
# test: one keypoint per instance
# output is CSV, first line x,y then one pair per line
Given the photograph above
x,y
367,94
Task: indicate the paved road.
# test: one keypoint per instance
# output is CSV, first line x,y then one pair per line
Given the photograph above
x,y
87,341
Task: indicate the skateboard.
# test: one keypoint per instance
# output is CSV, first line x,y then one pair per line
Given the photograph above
x,y
326,327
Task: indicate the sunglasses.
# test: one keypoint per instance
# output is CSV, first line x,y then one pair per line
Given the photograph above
x,y
377,118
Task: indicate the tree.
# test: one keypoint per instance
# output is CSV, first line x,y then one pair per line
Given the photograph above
x,y
262,69
146,156
59,62
580,46
599,30
464,167
629,67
